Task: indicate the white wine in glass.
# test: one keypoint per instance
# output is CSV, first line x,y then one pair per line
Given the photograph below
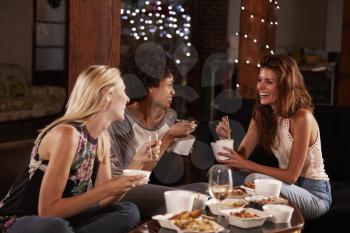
x,y
220,192
220,182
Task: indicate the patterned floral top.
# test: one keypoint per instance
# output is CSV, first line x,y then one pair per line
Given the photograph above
x,y
22,199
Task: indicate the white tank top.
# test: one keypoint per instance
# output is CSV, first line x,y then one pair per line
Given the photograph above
x,y
313,167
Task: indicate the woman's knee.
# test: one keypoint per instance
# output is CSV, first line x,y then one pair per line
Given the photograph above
x,y
200,187
37,224
133,213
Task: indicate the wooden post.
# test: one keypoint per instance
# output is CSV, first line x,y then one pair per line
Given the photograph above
x,y
94,35
263,32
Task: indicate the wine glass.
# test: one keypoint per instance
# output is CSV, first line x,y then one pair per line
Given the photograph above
x,y
220,183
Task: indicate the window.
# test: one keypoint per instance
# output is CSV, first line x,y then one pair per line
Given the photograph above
x,y
50,42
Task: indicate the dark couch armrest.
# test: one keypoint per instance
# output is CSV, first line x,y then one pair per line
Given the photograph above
x,y
13,158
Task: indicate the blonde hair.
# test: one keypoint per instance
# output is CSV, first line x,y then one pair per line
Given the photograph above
x,y
88,98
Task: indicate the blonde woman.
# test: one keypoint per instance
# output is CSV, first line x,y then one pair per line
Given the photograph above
x,y
69,173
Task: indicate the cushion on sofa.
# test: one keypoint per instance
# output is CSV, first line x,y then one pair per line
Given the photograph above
x,y
20,100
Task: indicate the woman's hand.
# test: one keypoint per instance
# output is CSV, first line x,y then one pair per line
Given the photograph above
x,y
223,128
122,184
182,129
148,152
234,160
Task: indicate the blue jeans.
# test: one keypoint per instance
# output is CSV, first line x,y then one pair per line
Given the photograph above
x,y
312,197
35,224
115,218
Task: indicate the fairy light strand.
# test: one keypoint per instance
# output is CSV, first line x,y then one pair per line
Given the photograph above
x,y
252,39
164,20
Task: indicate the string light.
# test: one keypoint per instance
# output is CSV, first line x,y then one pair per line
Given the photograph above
x,y
255,41
262,20
159,19
250,61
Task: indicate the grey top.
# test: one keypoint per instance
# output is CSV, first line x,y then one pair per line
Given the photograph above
x,y
128,136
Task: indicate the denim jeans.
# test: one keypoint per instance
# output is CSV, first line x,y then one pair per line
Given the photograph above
x,y
312,197
115,218
36,224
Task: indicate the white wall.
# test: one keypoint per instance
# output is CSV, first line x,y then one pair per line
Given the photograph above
x,y
313,24
16,17
301,24
334,25
234,11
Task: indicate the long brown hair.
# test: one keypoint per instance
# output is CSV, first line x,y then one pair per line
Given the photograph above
x,y
292,96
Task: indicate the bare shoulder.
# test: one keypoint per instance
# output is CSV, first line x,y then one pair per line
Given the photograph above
x,y
304,117
61,138
65,131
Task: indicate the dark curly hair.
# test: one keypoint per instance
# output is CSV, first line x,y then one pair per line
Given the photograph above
x,y
293,96
144,73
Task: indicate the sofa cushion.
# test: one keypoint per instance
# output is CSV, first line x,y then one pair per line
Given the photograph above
x,y
14,88
19,100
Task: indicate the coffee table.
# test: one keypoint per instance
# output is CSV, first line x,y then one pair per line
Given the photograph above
x,y
296,225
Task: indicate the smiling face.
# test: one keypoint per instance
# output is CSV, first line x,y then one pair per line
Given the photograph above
x,y
163,95
267,87
118,100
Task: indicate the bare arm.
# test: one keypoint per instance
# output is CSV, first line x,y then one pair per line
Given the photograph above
x,y
303,126
249,141
59,146
103,175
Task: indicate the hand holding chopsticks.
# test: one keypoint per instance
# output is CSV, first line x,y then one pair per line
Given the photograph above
x,y
155,150
227,123
223,128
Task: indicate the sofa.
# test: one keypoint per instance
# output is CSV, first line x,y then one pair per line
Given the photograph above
x,y
13,158
21,100
334,126
25,108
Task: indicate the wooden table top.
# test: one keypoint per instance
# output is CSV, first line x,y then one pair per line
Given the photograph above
x,y
296,225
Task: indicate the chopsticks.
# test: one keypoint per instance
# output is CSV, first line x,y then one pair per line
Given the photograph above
x,y
153,156
227,122
150,148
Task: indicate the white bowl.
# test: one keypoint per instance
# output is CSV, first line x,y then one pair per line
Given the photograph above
x,y
177,201
230,203
245,222
218,146
183,146
280,213
135,172
199,201
268,187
